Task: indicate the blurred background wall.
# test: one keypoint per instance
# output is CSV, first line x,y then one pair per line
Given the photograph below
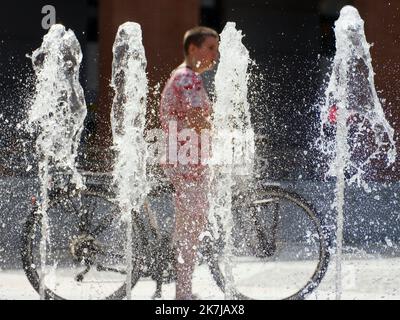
x,y
292,43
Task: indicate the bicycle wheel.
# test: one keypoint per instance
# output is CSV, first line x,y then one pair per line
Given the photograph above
x,y
85,256
280,248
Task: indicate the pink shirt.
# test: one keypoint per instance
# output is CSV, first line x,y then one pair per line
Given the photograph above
x,y
183,91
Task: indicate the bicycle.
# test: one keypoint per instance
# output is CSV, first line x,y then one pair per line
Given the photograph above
x,y
92,239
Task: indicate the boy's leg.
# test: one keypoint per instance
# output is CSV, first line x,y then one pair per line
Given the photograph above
x,y
190,219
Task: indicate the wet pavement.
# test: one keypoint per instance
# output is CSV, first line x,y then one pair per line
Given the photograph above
x,y
362,278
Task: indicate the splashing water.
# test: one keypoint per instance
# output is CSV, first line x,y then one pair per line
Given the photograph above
x,y
56,115
354,130
233,137
128,123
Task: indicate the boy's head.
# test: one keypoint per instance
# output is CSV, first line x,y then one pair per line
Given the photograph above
x,y
201,44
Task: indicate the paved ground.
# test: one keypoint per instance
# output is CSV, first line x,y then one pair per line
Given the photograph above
x,y
363,278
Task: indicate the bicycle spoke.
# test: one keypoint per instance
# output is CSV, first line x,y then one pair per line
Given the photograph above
x,y
87,215
102,226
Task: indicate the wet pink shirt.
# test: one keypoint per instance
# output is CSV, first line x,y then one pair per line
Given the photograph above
x,y
183,91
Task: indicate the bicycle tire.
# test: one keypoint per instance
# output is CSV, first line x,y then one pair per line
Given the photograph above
x,y
32,222
323,259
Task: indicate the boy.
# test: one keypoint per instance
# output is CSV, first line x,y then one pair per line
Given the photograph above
x,y
185,107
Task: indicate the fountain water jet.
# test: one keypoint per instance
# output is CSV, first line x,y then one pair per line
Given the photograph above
x,y
233,137
57,115
128,123
351,102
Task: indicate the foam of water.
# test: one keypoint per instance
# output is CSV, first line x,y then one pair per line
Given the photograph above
x,y
351,88
128,123
59,107
362,131
56,115
233,136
